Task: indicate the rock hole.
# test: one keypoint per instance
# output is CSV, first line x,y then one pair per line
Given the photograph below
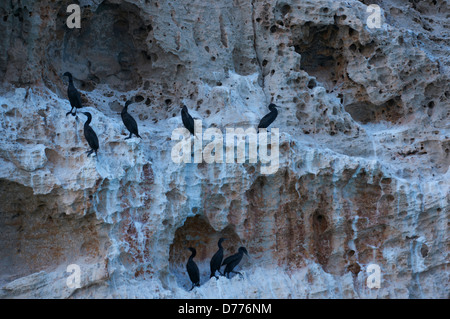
x,y
424,250
285,9
311,84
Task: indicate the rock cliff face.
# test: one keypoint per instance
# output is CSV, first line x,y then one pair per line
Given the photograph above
x,y
364,144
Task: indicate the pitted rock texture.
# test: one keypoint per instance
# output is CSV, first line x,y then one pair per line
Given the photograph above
x,y
364,146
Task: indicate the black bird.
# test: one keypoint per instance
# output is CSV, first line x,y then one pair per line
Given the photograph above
x,y
233,260
188,121
90,135
192,269
216,260
129,121
74,95
269,117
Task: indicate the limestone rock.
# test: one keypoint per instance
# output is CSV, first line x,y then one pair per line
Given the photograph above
x,y
362,182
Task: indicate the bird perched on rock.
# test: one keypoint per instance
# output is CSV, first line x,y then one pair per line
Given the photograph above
x,y
129,121
269,117
187,119
192,269
232,261
216,260
74,95
90,135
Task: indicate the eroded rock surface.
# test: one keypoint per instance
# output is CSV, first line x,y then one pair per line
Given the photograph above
x,y
364,143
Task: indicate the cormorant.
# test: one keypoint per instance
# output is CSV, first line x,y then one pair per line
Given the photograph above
x,y
90,135
188,121
74,95
192,269
233,260
269,117
129,121
216,260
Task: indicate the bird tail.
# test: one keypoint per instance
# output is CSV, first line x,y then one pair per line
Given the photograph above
x,y
195,136
139,136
